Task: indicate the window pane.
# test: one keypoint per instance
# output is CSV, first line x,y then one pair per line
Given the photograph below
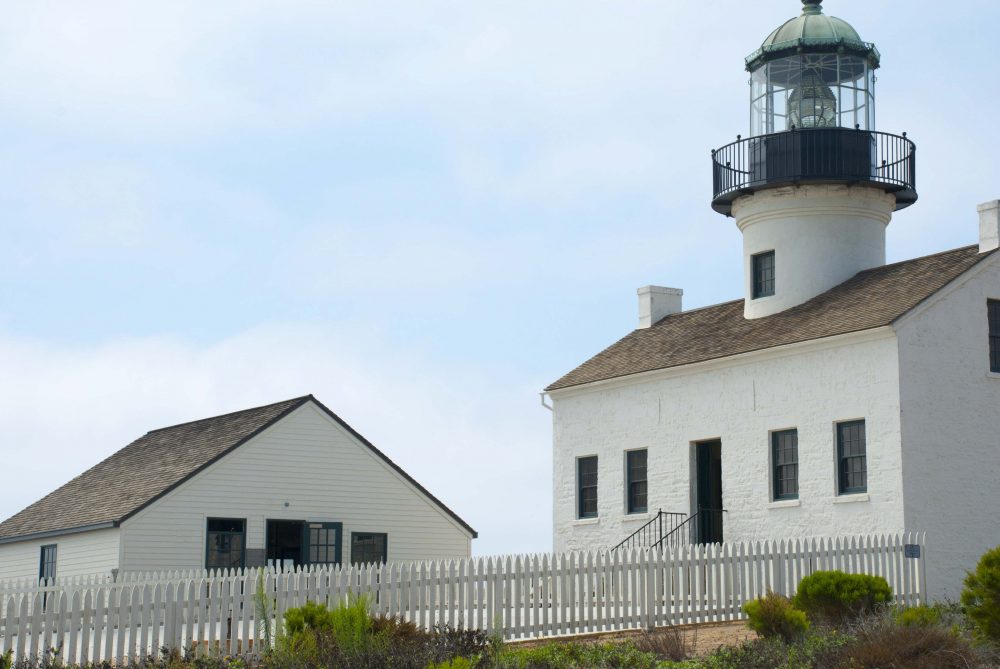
x,y
225,542
852,455
635,466
587,486
994,319
762,270
368,548
785,458
47,562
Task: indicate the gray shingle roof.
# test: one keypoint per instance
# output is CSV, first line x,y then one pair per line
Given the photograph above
x,y
156,463
871,299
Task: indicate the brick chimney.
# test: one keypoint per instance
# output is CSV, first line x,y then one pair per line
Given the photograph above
x,y
656,302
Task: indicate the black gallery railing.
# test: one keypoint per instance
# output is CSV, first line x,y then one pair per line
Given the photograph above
x,y
816,155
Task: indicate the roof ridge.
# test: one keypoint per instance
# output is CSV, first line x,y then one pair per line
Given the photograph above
x,y
301,399
925,257
697,309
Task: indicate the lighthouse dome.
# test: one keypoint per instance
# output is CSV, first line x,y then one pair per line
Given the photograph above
x,y
812,32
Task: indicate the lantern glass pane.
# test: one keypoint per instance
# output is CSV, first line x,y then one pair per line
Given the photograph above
x,y
812,91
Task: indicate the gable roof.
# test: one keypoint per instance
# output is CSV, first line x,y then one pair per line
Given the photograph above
x,y
870,299
151,466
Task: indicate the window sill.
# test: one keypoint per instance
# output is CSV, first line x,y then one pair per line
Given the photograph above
x,y
587,521
785,504
852,498
636,517
993,375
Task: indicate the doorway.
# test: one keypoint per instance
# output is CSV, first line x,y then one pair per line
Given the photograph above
x,y
297,542
708,492
284,542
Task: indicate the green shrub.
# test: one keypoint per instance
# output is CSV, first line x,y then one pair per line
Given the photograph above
x,y
7,660
449,641
395,627
309,616
668,643
919,616
835,597
351,625
879,641
774,616
981,596
457,663
571,655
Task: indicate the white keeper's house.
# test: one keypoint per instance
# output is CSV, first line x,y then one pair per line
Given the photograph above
x,y
840,395
288,482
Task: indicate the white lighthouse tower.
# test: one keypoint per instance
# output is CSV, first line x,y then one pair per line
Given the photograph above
x,y
814,186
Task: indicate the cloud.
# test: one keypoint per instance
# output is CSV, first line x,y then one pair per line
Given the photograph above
x,y
475,437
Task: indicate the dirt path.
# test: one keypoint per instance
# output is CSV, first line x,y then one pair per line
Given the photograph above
x,y
699,639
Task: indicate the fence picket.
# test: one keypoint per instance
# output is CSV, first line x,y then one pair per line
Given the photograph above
x,y
98,619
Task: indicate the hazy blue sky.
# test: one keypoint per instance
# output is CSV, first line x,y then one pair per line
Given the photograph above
x,y
421,212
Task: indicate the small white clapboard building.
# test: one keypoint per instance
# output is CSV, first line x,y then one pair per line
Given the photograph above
x,y
841,395
288,482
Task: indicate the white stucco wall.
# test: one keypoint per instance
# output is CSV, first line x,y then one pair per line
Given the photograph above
x,y
821,236
94,552
321,471
951,427
739,400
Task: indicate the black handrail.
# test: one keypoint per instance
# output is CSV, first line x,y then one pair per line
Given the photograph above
x,y
692,523
814,155
652,533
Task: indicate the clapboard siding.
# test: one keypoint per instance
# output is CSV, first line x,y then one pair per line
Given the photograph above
x,y
321,471
86,553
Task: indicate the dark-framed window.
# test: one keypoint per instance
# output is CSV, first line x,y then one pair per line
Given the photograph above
x,y
762,274
635,481
785,464
47,563
852,457
323,543
586,484
993,313
369,548
225,543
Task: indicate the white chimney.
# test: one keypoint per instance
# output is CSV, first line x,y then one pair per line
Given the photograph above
x,y
989,226
655,302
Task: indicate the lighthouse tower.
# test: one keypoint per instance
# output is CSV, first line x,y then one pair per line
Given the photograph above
x,y
814,186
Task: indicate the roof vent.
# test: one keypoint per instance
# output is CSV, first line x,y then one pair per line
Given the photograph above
x,y
989,226
657,302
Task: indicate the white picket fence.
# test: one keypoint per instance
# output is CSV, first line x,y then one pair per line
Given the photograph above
x,y
528,596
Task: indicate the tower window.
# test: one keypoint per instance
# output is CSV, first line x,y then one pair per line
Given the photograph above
x,y
635,465
852,458
763,274
994,318
785,463
586,481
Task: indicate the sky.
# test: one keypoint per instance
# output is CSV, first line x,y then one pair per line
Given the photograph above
x,y
420,212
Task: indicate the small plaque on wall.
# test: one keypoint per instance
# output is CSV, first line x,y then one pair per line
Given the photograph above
x,y
911,550
256,557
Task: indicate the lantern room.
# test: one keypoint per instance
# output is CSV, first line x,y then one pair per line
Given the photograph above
x,y
812,117
814,71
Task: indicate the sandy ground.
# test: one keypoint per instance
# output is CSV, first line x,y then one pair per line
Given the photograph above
x,y
700,639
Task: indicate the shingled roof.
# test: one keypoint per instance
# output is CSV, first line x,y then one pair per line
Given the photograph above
x,y
871,299
156,463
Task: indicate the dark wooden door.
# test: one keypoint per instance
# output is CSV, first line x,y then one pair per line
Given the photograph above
x,y
709,492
